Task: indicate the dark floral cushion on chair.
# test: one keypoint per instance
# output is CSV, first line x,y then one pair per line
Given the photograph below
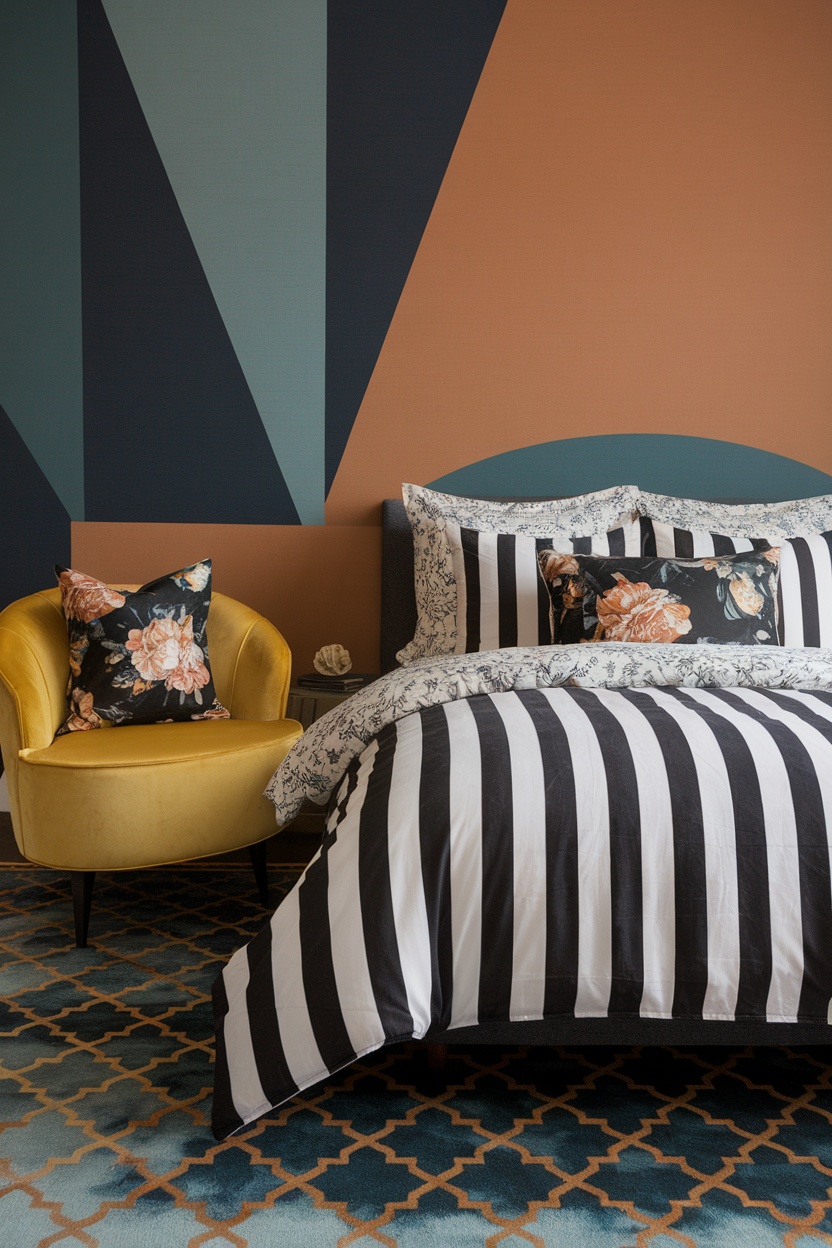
x,y
718,599
141,656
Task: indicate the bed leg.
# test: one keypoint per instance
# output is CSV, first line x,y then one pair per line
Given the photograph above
x,y
437,1056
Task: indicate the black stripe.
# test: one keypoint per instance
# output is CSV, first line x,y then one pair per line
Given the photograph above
x,y
336,813
648,536
627,984
581,545
319,984
497,944
683,544
826,630
544,602
376,894
224,1116
808,591
723,545
561,855
469,540
269,1058
690,890
803,711
813,860
615,542
506,590
752,860
435,848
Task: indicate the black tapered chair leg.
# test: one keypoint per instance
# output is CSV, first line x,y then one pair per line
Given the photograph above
x,y
257,853
82,885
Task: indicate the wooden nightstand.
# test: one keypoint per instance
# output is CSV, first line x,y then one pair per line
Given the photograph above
x,y
307,705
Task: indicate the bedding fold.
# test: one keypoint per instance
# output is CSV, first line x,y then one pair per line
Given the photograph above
x,y
313,767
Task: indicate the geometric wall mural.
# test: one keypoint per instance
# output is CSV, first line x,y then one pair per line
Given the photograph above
x,y
232,101
41,384
34,523
400,78
171,429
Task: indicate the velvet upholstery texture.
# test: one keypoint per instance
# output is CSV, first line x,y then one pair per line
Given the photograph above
x,y
147,794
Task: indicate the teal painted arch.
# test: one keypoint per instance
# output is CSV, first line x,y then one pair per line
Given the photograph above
x,y
662,463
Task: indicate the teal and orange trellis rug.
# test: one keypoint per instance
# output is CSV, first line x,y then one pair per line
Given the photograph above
x,y
105,1086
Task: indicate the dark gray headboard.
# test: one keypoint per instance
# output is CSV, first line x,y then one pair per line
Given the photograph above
x,y
398,600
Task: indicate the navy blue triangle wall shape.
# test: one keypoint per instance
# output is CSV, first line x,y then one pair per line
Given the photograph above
x,y
400,78
35,529
171,429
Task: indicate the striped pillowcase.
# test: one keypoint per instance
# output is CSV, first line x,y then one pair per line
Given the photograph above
x,y
805,593
501,598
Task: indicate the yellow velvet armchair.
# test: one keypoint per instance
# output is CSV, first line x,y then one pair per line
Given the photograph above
x,y
115,799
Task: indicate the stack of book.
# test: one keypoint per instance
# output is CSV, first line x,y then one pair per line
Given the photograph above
x,y
348,683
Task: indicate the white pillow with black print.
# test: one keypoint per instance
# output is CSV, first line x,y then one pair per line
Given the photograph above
x,y
430,512
796,517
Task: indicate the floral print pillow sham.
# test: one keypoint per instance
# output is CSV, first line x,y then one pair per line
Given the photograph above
x,y
140,656
715,600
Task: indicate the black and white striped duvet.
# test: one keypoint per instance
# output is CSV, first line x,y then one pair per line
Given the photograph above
x,y
655,852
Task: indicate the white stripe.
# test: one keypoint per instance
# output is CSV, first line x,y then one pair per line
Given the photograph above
x,y
296,1035
527,577
489,592
246,1089
782,858
349,957
792,623
632,538
405,863
823,583
453,537
528,786
657,856
466,861
665,541
720,857
594,888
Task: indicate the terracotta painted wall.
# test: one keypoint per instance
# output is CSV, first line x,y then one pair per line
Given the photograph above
x,y
520,222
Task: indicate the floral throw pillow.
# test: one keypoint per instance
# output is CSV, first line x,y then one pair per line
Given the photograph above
x,y
719,599
141,656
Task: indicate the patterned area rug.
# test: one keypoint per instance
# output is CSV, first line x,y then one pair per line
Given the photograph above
x,y
105,1086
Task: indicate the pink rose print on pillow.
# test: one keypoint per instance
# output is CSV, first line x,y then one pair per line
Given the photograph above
x,y
166,650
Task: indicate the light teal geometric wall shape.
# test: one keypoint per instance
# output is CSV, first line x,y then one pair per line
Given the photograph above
x,y
41,382
664,463
235,98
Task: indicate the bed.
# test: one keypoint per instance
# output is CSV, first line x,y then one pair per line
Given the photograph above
x,y
568,843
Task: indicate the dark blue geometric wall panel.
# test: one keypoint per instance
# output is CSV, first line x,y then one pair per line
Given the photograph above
x,y
171,430
34,524
400,79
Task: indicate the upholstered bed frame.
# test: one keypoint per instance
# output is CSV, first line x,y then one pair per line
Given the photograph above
x,y
398,622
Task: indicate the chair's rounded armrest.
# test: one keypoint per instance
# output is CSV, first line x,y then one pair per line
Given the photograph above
x,y
250,661
34,666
